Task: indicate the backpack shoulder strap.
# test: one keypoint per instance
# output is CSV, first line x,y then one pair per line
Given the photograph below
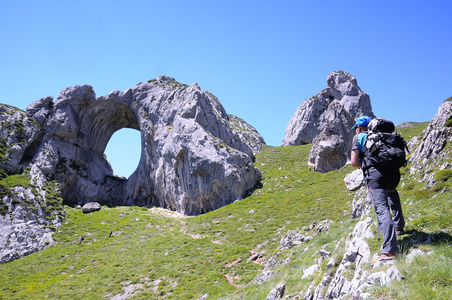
x,y
362,138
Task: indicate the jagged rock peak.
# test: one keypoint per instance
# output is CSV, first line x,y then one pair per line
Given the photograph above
x,y
325,121
342,83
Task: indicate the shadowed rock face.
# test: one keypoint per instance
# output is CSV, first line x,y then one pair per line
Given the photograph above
x,y
193,160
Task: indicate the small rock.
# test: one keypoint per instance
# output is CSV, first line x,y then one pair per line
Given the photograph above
x,y
354,180
266,274
309,271
324,253
378,278
393,274
277,292
91,207
413,253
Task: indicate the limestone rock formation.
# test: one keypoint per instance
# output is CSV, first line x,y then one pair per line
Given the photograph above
x,y
429,155
194,158
346,275
18,136
325,121
192,161
247,133
28,214
357,255
28,218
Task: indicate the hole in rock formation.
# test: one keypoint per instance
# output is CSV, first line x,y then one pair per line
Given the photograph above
x,y
186,155
124,151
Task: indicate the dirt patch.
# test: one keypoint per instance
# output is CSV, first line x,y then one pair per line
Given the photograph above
x,y
234,263
230,280
167,213
257,258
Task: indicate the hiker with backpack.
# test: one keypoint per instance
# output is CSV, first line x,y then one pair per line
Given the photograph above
x,y
379,151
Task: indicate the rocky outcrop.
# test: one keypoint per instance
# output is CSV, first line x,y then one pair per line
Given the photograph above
x,y
19,136
28,214
342,276
292,239
357,254
247,133
195,158
362,203
325,121
429,155
28,218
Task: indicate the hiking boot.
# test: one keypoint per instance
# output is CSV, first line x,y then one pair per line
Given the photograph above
x,y
384,257
399,231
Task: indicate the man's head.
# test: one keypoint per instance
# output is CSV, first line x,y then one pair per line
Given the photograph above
x,y
361,123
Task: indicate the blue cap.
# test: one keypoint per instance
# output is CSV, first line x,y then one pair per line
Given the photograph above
x,y
362,121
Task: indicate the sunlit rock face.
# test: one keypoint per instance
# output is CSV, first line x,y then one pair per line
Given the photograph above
x,y
428,155
324,120
193,158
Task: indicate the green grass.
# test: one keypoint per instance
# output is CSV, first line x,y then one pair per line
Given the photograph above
x,y
52,203
15,180
443,175
8,182
163,255
409,132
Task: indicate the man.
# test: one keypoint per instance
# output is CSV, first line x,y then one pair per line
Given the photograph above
x,y
381,186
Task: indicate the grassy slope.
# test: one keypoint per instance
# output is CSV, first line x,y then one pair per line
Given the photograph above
x,y
157,254
428,213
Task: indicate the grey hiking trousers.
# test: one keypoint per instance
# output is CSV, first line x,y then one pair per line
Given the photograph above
x,y
382,190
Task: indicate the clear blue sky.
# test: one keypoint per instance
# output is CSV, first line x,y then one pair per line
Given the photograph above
x,y
260,58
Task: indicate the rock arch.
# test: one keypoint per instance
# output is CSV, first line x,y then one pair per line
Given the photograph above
x,y
103,119
193,159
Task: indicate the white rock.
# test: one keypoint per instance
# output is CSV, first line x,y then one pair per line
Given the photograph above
x,y
91,207
413,254
354,180
325,120
309,271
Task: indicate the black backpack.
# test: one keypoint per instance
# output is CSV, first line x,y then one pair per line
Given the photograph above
x,y
385,147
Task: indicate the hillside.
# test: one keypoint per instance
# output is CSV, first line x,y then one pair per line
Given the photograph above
x,y
158,254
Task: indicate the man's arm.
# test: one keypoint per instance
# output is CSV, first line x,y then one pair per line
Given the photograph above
x,y
355,159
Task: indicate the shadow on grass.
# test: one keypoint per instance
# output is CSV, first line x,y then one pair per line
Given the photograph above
x,y
414,238
249,192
